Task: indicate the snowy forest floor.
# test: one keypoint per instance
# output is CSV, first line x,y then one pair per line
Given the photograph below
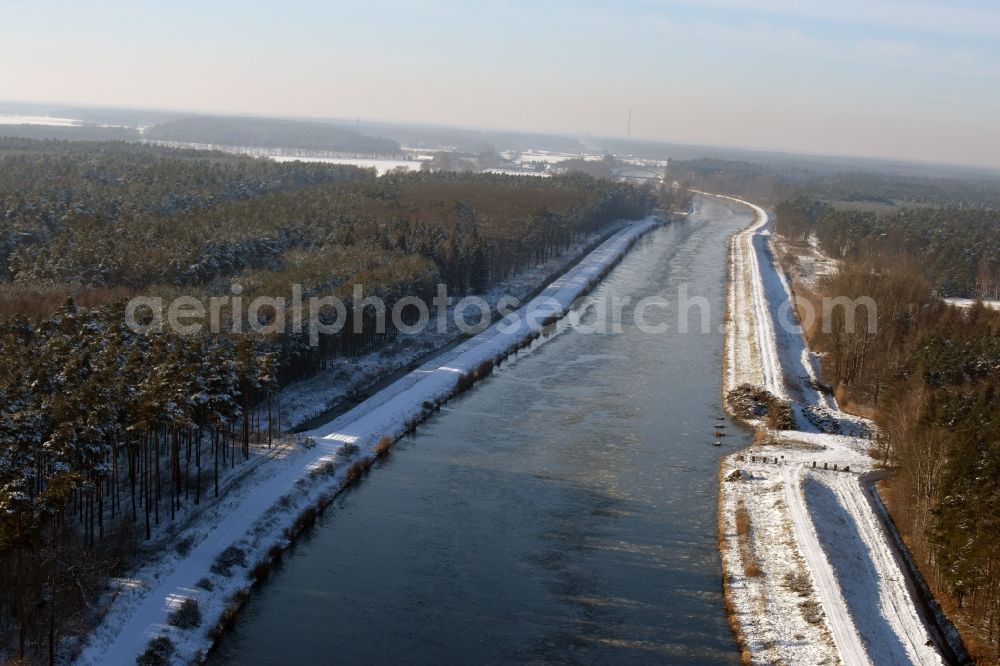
x,y
811,575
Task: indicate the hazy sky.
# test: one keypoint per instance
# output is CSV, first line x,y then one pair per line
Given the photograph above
x,y
894,78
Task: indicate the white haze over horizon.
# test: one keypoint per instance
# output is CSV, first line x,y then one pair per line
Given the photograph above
x,y
910,80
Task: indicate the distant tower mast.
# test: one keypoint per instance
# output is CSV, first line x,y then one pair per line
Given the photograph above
x,y
628,124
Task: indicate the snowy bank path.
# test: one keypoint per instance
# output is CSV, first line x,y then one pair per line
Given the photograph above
x,y
845,633
867,599
851,532
743,339
141,614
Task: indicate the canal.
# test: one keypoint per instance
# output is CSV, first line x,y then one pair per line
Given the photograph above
x,y
563,511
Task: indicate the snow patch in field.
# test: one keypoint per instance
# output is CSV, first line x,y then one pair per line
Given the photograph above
x,y
969,302
810,266
554,158
381,166
51,121
515,172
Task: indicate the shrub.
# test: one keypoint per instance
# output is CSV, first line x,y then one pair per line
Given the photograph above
x,y
205,584
742,521
187,615
780,416
751,568
327,468
812,611
354,472
750,403
261,570
229,615
823,419
305,520
383,446
158,652
228,559
183,547
464,382
799,583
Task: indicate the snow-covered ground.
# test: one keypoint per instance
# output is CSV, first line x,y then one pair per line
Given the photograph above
x,y
515,172
38,120
382,166
256,514
814,533
541,156
810,265
968,302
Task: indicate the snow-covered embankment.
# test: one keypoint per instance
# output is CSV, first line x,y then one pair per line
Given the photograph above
x,y
257,521
811,576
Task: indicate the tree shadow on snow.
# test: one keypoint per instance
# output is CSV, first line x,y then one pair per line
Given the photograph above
x,y
855,571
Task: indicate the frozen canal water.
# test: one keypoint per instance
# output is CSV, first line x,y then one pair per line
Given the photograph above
x,y
563,511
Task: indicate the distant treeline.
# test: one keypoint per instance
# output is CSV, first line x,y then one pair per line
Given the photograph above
x,y
271,133
470,141
771,184
70,133
958,248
